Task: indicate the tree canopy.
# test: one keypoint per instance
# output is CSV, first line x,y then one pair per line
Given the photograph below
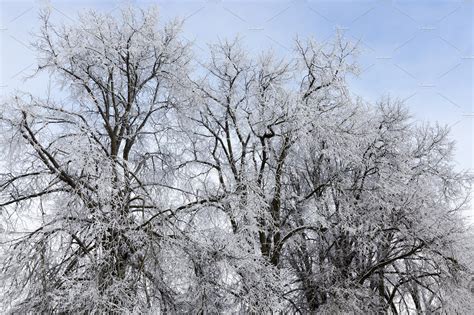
x,y
160,182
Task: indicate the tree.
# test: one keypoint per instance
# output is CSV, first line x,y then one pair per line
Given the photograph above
x,y
383,217
87,161
237,184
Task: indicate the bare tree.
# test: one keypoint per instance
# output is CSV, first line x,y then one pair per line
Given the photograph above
x,y
234,184
87,162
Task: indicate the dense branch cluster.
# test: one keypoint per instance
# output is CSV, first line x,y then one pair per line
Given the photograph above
x,y
237,184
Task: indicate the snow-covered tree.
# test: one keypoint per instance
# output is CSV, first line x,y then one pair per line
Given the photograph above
x,y
151,181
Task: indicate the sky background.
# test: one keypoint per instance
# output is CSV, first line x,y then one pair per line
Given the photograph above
x,y
418,51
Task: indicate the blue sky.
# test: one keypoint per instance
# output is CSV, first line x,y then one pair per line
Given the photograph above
x,y
420,51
